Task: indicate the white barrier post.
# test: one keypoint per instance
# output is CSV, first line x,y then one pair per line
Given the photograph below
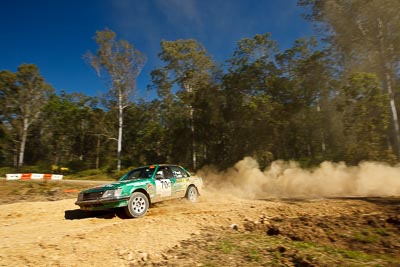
x,y
37,176
13,176
56,177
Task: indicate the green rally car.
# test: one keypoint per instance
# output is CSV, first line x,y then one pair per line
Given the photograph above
x,y
139,187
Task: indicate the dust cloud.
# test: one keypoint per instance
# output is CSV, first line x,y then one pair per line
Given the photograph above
x,y
288,180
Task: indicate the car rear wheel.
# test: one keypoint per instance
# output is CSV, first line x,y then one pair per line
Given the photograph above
x,y
192,194
137,205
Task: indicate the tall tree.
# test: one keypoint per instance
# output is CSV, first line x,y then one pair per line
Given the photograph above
x,y
99,124
250,88
146,136
189,67
308,71
366,118
71,122
276,102
25,93
118,63
366,34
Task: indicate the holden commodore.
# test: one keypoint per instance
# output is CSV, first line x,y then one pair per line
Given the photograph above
x,y
137,189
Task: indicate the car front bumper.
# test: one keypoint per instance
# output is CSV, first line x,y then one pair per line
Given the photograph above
x,y
101,204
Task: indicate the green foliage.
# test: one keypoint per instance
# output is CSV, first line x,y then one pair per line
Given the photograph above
x,y
185,85
5,170
365,37
305,103
72,127
366,119
23,95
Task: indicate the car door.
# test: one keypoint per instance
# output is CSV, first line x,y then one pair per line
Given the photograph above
x,y
164,181
181,179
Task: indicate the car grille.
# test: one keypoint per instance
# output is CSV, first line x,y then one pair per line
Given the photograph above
x,y
91,196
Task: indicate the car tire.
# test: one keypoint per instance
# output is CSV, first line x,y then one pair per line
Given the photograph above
x,y
137,205
192,194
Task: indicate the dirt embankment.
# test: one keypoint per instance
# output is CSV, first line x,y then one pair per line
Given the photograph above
x,y
220,230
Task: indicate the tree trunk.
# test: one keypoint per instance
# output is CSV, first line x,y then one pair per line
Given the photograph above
x,y
388,84
120,125
194,153
98,152
323,145
393,109
23,142
15,159
189,90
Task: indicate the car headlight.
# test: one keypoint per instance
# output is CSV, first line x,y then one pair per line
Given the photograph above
x,y
112,193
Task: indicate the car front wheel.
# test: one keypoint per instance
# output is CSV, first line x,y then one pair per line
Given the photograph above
x,y
192,194
137,205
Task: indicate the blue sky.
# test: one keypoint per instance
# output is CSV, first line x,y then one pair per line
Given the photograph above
x,y
55,34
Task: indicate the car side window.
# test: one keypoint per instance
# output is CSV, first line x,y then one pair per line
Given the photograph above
x,y
164,173
179,172
185,173
168,173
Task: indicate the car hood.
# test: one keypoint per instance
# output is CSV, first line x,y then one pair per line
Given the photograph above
x,y
118,184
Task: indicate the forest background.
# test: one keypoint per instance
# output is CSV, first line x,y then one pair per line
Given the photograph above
x,y
333,97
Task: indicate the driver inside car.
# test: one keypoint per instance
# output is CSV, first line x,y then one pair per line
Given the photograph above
x,y
160,174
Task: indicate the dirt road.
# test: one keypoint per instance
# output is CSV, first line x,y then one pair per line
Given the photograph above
x,y
176,233
56,233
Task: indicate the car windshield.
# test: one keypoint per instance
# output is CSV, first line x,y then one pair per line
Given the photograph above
x,y
146,172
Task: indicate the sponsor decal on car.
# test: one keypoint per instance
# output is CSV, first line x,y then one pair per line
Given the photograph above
x,y
150,189
140,183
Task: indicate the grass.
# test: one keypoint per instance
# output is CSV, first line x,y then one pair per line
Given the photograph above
x,y
345,255
365,237
226,246
258,249
382,232
254,255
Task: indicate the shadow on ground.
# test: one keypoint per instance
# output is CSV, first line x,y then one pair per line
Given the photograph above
x,y
78,214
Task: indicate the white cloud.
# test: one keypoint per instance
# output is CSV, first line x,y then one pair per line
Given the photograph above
x,y
180,12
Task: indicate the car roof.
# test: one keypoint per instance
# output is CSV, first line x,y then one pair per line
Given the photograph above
x,y
160,165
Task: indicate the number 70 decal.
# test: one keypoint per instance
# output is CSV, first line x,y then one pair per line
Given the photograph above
x,y
163,187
